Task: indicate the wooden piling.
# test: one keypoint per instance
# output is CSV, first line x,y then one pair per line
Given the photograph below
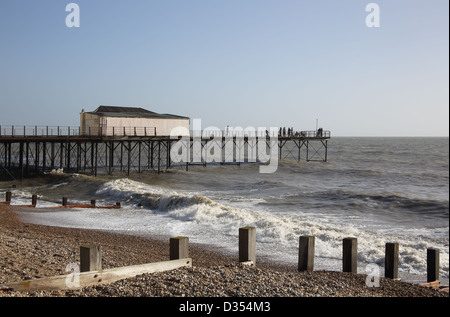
x,y
350,255
8,197
306,254
432,265
34,200
247,244
391,260
179,248
90,258
64,201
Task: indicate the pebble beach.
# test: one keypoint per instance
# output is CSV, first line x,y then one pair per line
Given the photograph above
x,y
29,251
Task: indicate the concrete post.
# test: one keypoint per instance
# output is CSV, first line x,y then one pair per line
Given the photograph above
x,y
350,255
306,254
247,244
179,248
391,261
90,258
432,265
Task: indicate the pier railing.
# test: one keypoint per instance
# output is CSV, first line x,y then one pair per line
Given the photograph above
x,y
24,131
261,133
67,131
314,134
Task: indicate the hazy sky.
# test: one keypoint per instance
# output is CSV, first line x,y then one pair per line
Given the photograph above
x,y
231,62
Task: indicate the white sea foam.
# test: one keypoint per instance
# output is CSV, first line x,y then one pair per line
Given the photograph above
x,y
154,210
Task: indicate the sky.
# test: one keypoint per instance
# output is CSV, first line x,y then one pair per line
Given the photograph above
x,y
247,63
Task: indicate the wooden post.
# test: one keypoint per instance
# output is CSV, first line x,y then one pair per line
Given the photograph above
x,y
247,244
350,255
93,202
90,258
179,248
306,254
391,261
34,200
8,197
64,201
432,265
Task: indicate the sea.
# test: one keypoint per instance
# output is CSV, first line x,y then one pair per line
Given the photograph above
x,y
377,190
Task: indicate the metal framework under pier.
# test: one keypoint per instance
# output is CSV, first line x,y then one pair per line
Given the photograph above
x,y
24,156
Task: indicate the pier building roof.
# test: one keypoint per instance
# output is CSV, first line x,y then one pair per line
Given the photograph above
x,y
132,112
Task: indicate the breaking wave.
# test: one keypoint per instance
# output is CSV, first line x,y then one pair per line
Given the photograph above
x,y
200,216
147,196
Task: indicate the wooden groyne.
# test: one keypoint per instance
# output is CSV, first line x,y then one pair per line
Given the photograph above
x,y
179,247
26,152
64,203
89,272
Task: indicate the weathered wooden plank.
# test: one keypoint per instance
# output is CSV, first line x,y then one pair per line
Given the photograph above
x,y
247,244
306,253
179,248
80,280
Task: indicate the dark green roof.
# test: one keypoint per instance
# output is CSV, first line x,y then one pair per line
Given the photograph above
x,y
132,112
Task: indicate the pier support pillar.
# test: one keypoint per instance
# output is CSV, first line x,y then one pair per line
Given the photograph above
x,y
179,248
306,254
247,244
391,261
432,265
350,255
90,258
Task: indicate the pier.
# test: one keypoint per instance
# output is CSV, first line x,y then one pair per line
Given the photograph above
x,y
30,151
